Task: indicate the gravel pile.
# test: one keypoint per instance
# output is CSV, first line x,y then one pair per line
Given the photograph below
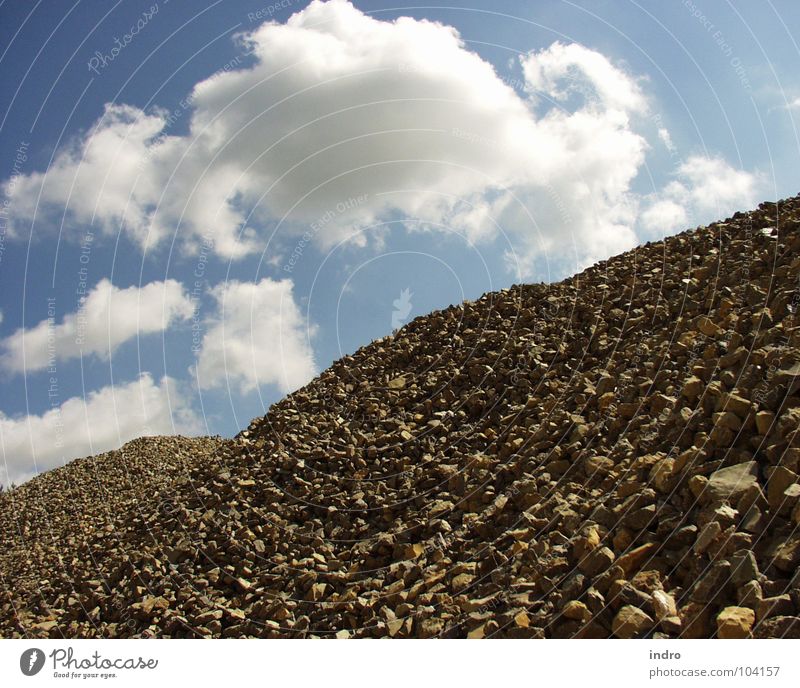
x,y
61,532
616,455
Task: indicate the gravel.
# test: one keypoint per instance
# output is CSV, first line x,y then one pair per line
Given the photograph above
x,y
613,455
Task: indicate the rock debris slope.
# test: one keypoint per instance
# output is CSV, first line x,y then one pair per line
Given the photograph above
x,y
616,455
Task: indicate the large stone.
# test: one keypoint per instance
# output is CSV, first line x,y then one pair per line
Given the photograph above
x,y
731,482
708,327
735,622
791,499
605,384
631,622
596,561
576,611
664,605
661,475
396,383
749,594
694,620
738,405
787,556
634,559
45,627
713,584
789,379
764,422
692,388
780,605
710,532
743,567
154,604
780,479
598,466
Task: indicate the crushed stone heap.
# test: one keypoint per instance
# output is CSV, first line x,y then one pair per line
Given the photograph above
x,y
615,455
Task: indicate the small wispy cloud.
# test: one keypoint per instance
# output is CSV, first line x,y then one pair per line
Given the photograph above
x,y
666,139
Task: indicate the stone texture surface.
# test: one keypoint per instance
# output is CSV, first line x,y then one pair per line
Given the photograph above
x,y
612,455
734,623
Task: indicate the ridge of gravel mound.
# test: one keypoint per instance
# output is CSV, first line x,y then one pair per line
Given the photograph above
x,y
615,455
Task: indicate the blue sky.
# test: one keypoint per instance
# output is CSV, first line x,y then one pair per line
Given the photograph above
x,y
241,197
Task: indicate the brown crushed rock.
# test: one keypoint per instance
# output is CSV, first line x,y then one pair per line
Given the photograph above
x,y
63,530
613,455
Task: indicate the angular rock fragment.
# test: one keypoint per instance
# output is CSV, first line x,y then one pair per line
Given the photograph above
x,y
735,622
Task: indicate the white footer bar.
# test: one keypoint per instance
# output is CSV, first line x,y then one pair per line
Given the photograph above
x,y
400,663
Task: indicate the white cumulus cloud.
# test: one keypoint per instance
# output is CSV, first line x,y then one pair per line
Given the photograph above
x,y
705,188
663,216
99,178
108,317
716,186
339,105
256,336
104,420
562,69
